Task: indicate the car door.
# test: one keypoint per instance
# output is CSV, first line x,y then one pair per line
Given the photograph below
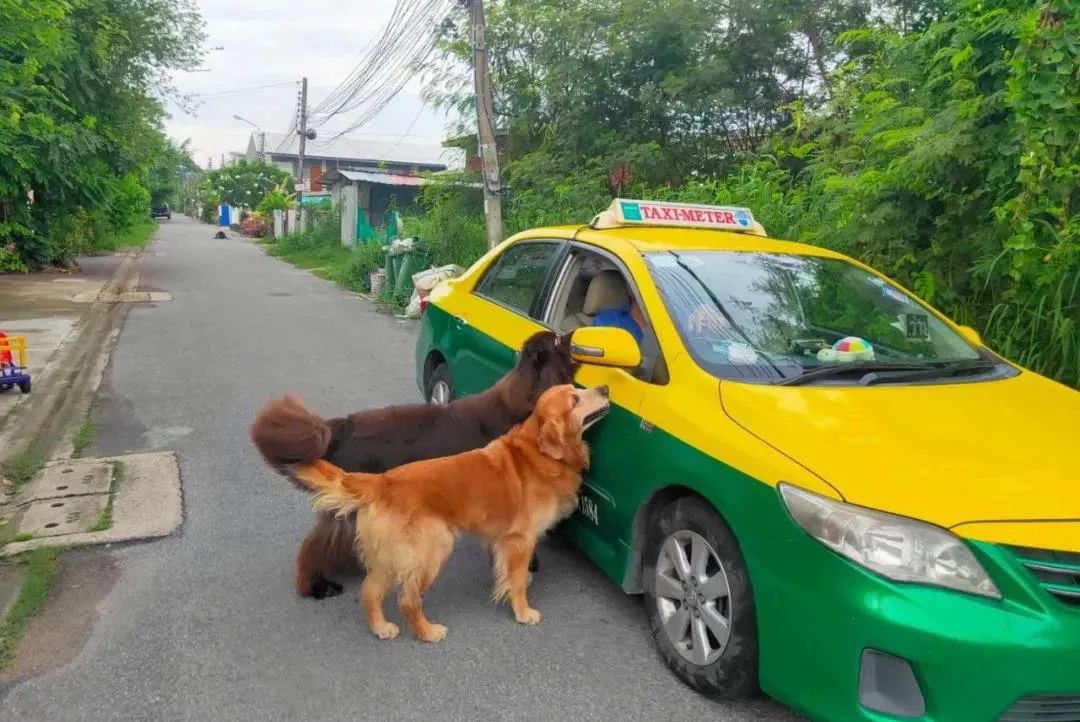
x,y
617,442
500,313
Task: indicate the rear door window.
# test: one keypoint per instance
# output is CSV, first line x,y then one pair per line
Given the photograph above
x,y
517,277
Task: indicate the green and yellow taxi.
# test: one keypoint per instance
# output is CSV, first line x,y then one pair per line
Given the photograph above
x,y
822,486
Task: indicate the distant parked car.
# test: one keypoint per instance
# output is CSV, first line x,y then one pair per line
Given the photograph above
x,y
162,211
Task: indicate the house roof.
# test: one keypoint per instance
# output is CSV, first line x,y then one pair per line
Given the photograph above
x,y
363,151
388,179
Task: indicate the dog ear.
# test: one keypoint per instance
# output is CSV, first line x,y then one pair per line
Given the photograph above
x,y
552,441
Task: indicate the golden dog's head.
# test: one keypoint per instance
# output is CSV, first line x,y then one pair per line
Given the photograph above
x,y
562,414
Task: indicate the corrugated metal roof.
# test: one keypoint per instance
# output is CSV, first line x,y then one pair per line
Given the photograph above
x,y
386,179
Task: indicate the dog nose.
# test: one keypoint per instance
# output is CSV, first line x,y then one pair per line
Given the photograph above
x,y
603,390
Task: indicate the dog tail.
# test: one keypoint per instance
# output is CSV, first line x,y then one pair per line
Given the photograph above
x,y
335,490
286,433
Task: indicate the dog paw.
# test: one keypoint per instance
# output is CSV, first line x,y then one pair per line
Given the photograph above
x,y
529,616
325,588
386,630
434,633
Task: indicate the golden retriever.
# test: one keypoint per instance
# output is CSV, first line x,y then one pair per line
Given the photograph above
x,y
507,493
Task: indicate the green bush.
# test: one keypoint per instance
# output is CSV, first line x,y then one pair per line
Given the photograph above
x,y
363,260
10,262
451,225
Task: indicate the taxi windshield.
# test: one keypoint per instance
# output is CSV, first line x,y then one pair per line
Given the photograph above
x,y
771,317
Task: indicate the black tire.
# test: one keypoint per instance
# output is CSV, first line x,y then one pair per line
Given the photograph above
x,y
25,387
5,387
440,375
734,674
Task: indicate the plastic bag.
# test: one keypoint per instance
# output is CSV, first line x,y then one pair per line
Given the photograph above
x,y
426,280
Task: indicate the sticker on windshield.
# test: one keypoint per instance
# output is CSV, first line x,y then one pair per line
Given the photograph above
x,y
741,353
917,326
663,261
894,294
692,261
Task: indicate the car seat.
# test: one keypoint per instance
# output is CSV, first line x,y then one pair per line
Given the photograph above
x,y
607,290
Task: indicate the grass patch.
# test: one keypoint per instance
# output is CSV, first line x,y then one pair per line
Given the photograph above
x,y
38,578
138,236
85,435
105,519
22,467
25,536
319,257
319,251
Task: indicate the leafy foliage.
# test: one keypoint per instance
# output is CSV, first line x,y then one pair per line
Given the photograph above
x,y
937,140
80,115
245,183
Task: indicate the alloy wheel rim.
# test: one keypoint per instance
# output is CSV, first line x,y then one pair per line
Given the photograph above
x,y
440,393
693,597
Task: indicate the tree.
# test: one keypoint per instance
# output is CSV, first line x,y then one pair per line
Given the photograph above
x,y
81,83
166,176
243,184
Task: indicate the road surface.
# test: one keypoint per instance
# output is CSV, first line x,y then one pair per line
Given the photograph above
x,y
204,625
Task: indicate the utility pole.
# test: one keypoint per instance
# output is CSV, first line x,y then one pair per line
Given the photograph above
x,y
262,147
303,145
486,126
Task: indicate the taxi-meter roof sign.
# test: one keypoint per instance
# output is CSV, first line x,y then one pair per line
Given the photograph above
x,y
687,215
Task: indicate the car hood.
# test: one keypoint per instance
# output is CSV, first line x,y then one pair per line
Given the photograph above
x,y
1004,450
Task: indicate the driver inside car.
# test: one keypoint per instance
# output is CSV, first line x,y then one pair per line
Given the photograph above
x,y
627,315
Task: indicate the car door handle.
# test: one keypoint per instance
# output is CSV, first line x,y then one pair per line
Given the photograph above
x,y
460,321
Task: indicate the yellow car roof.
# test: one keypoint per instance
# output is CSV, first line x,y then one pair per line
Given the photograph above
x,y
646,239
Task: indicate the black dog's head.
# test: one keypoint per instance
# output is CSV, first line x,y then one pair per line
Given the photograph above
x,y
545,359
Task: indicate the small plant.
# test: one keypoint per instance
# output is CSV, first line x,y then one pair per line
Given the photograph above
x,y
255,225
85,435
22,467
278,199
11,261
105,519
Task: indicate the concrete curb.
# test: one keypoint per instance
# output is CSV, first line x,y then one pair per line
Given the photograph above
x,y
75,369
147,504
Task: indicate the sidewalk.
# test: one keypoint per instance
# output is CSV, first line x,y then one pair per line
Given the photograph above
x,y
42,307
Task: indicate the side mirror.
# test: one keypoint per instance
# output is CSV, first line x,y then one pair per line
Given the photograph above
x,y
971,335
605,346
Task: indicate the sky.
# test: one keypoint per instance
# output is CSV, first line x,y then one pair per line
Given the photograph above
x,y
268,42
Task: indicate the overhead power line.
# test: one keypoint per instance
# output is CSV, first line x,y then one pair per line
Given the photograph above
x,y
408,39
238,91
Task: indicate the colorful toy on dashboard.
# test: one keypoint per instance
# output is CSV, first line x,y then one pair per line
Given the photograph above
x,y
847,350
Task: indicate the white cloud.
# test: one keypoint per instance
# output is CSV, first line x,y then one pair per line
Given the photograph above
x,y
277,41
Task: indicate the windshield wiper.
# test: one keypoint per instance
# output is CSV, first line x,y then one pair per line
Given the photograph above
x,y
864,367
934,372
876,372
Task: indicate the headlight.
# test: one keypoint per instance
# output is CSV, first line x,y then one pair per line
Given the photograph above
x,y
901,549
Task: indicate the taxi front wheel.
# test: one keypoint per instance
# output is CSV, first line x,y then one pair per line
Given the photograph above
x,y
699,602
440,388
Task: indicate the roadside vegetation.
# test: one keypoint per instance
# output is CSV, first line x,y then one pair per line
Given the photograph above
x,y
82,151
22,467
937,140
84,435
39,572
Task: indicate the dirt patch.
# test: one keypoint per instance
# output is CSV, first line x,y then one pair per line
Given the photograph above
x,y
56,635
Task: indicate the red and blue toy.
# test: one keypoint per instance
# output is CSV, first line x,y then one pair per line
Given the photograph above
x,y
13,374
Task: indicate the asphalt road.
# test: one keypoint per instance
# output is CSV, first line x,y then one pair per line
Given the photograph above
x,y
204,625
